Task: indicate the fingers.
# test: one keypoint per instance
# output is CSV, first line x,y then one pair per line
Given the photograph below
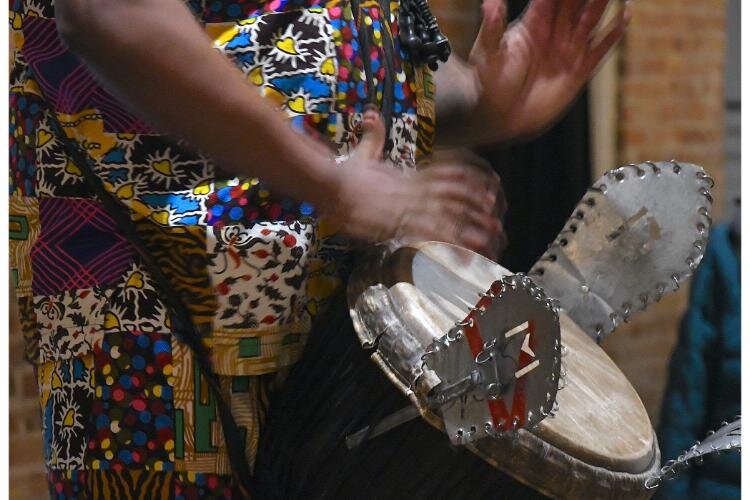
x,y
540,16
589,19
464,216
494,22
371,144
478,200
459,232
451,203
566,14
448,213
477,188
613,32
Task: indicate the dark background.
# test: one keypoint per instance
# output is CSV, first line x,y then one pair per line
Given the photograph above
x,y
543,179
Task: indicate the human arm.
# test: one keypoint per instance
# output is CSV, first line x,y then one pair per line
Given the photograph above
x,y
520,79
155,57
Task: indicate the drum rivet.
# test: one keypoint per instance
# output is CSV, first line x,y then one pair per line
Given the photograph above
x,y
654,167
584,289
676,281
644,301
599,331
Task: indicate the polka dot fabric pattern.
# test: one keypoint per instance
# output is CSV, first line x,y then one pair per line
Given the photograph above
x,y
133,413
24,121
126,412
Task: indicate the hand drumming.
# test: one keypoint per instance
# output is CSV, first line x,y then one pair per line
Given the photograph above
x,y
451,201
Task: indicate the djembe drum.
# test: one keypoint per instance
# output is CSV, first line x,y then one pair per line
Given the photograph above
x,y
590,439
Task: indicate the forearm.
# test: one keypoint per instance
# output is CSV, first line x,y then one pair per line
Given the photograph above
x,y
154,56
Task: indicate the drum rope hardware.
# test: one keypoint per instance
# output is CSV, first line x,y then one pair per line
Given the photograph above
x,y
496,370
637,234
726,439
515,372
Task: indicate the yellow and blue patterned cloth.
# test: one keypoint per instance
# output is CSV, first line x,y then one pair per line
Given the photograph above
x,y
125,410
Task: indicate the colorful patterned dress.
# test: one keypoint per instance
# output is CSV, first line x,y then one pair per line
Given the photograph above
x,y
125,410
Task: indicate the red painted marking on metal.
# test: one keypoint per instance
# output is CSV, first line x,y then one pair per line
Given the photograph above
x,y
473,336
518,410
498,410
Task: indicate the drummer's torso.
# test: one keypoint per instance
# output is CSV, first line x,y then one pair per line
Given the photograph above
x,y
254,266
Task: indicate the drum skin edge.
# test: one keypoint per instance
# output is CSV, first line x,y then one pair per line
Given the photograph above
x,y
559,475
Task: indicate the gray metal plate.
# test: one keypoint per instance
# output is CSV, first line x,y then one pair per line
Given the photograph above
x,y
507,353
727,439
638,232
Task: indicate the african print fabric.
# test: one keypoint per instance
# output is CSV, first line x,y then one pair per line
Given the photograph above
x,y
126,412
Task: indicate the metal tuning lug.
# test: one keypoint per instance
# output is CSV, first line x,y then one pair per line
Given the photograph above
x,y
504,366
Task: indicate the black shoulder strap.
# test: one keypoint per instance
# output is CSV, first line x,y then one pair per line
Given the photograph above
x,y
183,328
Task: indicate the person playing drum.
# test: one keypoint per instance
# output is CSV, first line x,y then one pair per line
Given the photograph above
x,y
240,218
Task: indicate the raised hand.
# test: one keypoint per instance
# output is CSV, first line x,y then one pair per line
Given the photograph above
x,y
531,71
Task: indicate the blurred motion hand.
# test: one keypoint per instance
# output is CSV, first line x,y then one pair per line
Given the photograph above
x,y
531,72
451,201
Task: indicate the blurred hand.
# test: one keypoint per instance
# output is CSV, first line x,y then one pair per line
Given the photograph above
x,y
451,201
532,71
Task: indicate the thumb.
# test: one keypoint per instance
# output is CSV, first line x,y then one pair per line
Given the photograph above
x,y
494,22
371,145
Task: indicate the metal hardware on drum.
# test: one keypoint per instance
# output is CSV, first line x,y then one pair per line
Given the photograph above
x,y
392,421
655,168
620,232
554,434
726,439
503,359
441,397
